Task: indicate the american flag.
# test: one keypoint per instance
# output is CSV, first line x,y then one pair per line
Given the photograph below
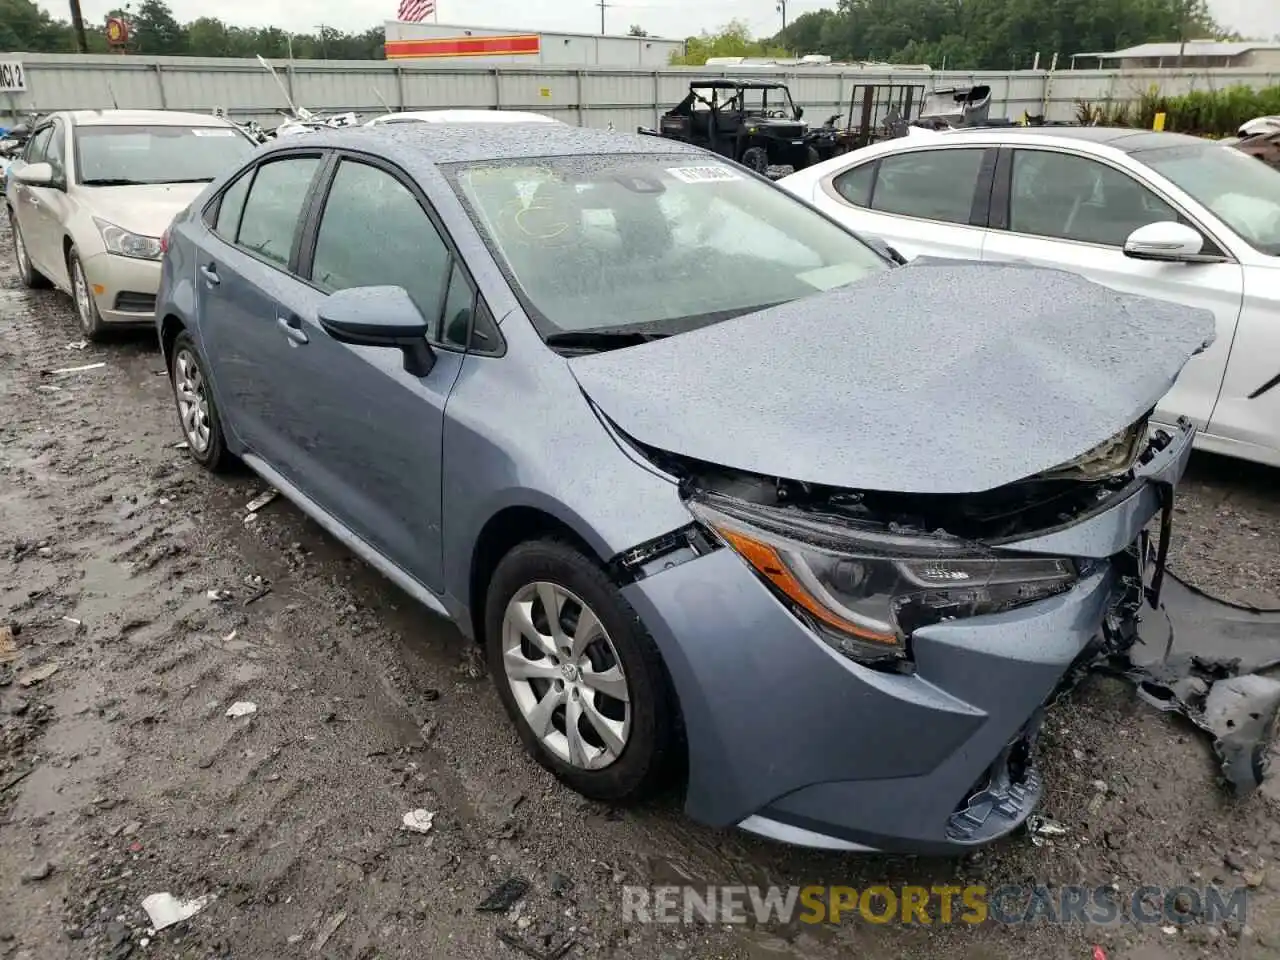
x,y
415,11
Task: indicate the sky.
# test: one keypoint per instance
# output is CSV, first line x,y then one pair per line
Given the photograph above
x,y
668,18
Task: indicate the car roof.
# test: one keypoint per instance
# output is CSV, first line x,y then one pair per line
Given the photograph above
x,y
1124,139
145,118
477,142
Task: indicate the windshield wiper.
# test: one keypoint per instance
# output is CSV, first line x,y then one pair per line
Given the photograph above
x,y
602,339
183,180
111,182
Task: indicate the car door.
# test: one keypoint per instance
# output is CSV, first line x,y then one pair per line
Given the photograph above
x,y
31,204
55,209
923,202
367,434
1057,208
245,278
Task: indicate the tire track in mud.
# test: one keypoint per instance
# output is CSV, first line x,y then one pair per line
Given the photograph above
x,y
368,707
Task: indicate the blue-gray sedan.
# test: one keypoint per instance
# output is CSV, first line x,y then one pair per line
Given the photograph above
x,y
721,489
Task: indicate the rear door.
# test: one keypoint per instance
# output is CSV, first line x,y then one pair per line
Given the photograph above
x,y
31,204
924,202
246,275
1057,208
367,435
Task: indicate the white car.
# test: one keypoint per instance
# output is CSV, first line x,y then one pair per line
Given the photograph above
x,y
94,192
1160,214
460,116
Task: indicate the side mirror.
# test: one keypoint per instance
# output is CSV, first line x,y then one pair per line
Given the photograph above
x,y
1167,240
799,113
380,317
35,175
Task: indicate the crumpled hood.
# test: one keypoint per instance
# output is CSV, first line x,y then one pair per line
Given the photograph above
x,y
145,209
932,378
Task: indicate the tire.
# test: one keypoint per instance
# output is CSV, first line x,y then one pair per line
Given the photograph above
x,y
202,426
91,324
31,278
757,158
650,717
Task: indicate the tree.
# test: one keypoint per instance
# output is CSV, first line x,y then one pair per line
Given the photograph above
x,y
732,40
637,31
804,34
157,31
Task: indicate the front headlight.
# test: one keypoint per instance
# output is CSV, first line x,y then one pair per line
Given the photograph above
x,y
864,591
125,244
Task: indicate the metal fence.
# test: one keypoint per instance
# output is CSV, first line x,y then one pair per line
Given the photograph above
x,y
595,97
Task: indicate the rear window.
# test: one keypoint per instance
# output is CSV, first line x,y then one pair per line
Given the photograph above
x,y
123,155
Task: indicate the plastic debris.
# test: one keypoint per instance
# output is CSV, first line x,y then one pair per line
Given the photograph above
x,y
1099,953
218,596
329,930
65,370
8,644
164,909
40,674
1043,830
419,821
505,895
242,708
78,345
260,501
182,445
72,620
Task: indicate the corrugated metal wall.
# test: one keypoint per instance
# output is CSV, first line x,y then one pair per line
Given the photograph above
x,y
593,97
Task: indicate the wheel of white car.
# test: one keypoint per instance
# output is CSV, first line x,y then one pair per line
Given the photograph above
x,y
579,674
28,274
86,306
197,411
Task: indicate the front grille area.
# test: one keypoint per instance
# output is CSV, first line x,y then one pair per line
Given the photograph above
x,y
129,302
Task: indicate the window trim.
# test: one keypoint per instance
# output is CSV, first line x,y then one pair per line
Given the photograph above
x,y
34,136
980,203
311,230
1002,200
213,209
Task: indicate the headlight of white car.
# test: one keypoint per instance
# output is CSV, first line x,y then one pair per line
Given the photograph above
x,y
125,244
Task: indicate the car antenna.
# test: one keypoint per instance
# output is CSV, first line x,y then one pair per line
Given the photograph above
x,y
382,100
283,89
112,90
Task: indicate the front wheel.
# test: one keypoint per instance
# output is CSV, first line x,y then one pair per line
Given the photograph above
x,y
757,158
86,306
579,674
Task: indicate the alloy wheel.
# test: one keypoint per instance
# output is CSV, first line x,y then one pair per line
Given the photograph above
x,y
193,400
566,676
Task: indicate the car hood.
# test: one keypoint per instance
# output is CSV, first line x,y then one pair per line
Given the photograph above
x,y
145,209
931,378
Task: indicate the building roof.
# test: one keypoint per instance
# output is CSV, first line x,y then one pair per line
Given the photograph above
x,y
480,142
1192,48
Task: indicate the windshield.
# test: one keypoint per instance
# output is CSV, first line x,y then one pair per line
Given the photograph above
x,y
1243,192
668,242
160,154
762,102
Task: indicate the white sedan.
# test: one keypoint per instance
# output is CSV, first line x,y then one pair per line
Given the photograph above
x,y
1161,214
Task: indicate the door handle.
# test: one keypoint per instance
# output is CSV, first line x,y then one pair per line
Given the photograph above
x,y
291,324
210,275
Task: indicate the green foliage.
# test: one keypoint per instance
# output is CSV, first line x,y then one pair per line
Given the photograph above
x,y
732,40
24,27
1211,113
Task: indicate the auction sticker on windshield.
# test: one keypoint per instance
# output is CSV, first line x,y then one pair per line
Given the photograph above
x,y
213,132
715,174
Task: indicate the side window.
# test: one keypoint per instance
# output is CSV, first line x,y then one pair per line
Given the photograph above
x,y
930,184
274,208
56,151
1076,198
231,206
855,185
459,305
374,233
38,146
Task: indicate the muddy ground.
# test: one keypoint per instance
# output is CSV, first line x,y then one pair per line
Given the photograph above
x,y
121,776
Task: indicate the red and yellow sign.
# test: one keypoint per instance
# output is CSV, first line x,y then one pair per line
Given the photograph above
x,y
117,31
520,45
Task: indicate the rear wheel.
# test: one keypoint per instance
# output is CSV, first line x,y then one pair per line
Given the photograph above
x,y
31,277
86,306
197,412
757,158
579,674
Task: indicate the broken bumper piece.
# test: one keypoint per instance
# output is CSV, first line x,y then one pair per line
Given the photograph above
x,y
790,740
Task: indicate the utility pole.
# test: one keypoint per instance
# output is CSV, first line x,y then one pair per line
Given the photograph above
x,y
603,5
77,22
324,42
782,9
